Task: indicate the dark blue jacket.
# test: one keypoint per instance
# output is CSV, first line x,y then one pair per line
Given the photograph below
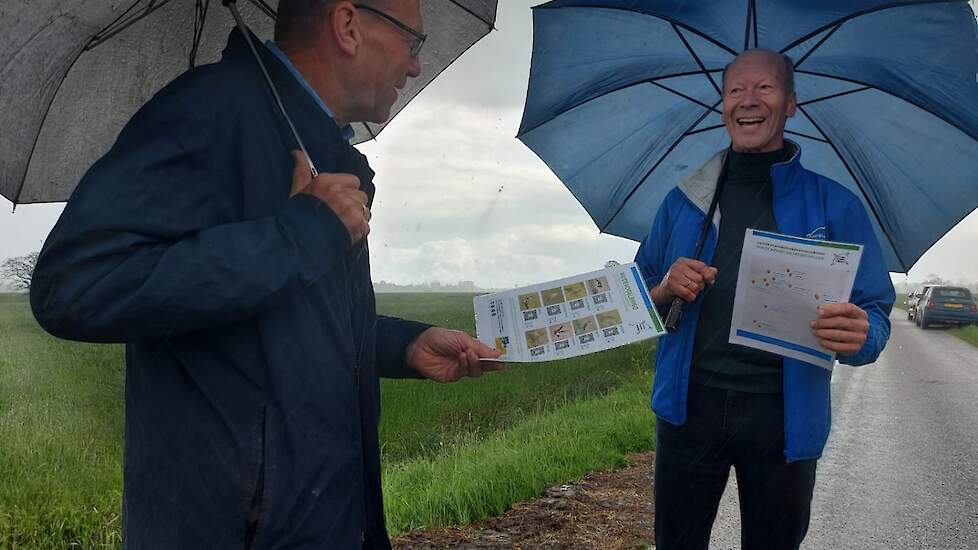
x,y
253,348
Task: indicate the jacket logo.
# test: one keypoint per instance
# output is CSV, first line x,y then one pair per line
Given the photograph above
x,y
817,233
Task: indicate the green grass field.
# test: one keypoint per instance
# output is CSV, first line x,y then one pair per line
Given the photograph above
x,y
453,453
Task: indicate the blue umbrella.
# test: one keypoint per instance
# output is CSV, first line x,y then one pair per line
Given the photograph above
x,y
624,100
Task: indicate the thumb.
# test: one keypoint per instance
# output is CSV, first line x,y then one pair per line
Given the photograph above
x,y
301,176
482,350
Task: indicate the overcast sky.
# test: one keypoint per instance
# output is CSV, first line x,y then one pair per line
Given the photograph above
x,y
460,198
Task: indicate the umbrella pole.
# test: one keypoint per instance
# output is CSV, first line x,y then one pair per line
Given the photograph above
x,y
233,7
675,314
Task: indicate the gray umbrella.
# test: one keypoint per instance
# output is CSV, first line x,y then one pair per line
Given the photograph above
x,y
72,72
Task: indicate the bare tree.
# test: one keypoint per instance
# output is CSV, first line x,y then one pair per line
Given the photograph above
x,y
19,271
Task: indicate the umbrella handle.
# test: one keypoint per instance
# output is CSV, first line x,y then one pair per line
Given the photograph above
x,y
675,315
232,6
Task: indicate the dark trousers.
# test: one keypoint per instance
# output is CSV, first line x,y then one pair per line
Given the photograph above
x,y
727,428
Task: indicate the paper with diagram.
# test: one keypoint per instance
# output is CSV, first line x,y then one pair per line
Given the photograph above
x,y
781,282
568,317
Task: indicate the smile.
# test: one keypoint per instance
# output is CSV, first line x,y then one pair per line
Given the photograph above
x,y
750,121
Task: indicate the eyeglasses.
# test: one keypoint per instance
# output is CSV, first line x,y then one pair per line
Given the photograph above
x,y
417,38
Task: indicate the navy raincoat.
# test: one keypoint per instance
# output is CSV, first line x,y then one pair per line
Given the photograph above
x,y
253,348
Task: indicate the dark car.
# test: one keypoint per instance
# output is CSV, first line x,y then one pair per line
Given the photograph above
x,y
913,298
946,305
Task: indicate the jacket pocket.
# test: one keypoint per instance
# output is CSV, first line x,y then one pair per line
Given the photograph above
x,y
255,510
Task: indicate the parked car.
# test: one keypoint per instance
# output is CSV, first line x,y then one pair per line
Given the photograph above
x,y
913,297
946,305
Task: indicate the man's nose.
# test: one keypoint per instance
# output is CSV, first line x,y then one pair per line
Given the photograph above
x,y
414,68
749,99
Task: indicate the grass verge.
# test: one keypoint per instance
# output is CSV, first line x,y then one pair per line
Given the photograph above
x,y
968,334
481,478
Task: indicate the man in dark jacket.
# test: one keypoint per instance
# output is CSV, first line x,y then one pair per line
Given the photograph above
x,y
241,287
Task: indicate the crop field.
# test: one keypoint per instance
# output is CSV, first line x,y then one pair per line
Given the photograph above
x,y
453,453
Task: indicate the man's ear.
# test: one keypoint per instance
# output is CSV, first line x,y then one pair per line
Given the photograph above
x,y
344,25
792,105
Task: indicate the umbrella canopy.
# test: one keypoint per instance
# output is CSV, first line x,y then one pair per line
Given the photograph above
x,y
72,72
624,99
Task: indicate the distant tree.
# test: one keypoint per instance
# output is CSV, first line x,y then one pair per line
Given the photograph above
x,y
19,271
933,279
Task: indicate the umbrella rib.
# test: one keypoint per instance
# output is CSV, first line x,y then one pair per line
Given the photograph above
x,y
684,96
586,100
658,162
872,207
806,136
99,37
667,19
261,5
868,11
701,130
747,24
833,96
200,19
967,132
697,59
753,4
490,24
816,46
37,136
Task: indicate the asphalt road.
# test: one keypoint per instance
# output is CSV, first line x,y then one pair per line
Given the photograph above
x,y
901,466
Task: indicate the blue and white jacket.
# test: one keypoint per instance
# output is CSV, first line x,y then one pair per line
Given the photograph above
x,y
806,205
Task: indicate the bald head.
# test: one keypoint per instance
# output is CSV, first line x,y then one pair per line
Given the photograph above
x,y
758,99
783,64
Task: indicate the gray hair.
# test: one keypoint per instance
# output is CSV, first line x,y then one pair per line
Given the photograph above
x,y
787,68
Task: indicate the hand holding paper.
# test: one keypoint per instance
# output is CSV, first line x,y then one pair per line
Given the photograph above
x,y
841,328
447,355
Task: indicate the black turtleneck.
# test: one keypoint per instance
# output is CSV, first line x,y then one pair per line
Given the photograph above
x,y
746,201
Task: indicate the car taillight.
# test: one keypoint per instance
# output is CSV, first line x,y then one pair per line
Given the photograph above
x,y
974,308
930,304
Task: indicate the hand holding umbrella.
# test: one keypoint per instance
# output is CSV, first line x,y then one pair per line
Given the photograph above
x,y
684,281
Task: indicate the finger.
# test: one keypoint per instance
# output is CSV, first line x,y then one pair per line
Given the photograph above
x,y
684,293
482,350
841,336
339,181
492,366
463,366
691,263
474,365
367,214
840,347
710,275
842,323
301,176
692,275
842,310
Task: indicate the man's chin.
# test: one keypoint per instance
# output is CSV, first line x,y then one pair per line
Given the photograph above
x,y
380,117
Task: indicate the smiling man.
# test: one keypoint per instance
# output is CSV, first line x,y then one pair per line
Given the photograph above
x,y
720,405
241,287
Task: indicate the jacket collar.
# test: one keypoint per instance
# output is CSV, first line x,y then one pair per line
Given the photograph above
x,y
311,121
700,186
319,131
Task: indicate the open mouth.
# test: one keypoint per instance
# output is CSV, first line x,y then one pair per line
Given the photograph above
x,y
750,121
